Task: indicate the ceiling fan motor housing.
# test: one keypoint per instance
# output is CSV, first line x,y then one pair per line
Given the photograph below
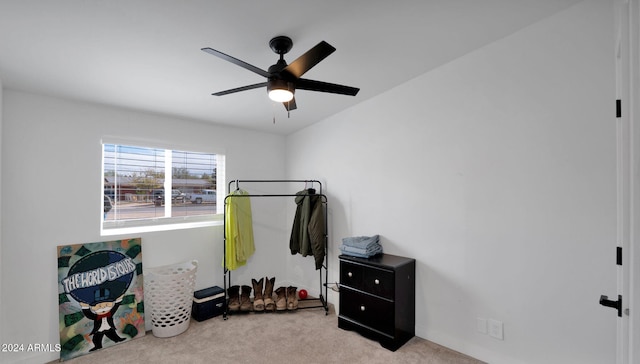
x,y
278,67
279,80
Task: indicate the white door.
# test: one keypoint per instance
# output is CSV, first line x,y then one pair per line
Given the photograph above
x,y
626,302
631,311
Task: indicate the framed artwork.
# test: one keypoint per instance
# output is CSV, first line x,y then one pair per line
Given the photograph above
x,y
100,295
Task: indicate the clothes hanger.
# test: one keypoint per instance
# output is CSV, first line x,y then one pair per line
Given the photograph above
x,y
310,190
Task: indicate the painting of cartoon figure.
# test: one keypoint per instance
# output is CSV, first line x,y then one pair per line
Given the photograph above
x,y
100,295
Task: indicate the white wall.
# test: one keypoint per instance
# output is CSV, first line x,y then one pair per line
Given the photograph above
x,y
497,173
51,166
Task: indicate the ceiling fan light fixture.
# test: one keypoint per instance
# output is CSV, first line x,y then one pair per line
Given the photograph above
x,y
280,95
280,90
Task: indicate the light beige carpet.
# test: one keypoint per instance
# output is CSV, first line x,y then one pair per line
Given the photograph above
x,y
301,336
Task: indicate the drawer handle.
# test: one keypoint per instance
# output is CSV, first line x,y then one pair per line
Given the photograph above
x,y
377,281
350,274
362,308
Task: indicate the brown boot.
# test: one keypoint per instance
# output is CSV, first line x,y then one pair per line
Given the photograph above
x,y
245,299
258,301
281,300
292,298
234,298
269,305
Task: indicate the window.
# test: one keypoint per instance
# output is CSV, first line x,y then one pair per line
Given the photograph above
x,y
153,189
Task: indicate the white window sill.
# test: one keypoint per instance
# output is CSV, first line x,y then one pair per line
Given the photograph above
x,y
135,227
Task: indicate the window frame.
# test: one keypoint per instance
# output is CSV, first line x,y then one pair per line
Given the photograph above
x,y
163,223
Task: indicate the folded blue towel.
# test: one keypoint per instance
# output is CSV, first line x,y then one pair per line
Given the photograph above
x,y
361,242
357,255
372,250
361,246
361,255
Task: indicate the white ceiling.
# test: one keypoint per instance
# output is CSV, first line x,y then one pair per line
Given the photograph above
x,y
145,54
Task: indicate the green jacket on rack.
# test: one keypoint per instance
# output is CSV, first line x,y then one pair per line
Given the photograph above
x,y
307,234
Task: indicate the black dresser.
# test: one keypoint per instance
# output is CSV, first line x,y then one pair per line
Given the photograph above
x,y
377,298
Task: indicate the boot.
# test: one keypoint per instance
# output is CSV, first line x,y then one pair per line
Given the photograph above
x,y
258,301
292,298
281,300
269,305
234,298
245,300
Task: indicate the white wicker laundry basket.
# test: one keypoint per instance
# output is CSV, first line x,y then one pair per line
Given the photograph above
x,y
168,291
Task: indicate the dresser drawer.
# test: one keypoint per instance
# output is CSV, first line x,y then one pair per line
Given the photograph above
x,y
351,275
368,279
367,310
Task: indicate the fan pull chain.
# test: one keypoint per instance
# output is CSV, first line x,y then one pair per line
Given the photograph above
x,y
273,110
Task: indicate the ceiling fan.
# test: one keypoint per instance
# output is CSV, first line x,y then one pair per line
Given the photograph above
x,y
282,79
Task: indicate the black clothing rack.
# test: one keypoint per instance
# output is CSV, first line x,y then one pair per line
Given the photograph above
x,y
322,300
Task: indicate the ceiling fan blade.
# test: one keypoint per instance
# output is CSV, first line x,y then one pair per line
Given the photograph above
x,y
290,105
237,62
313,56
311,85
238,89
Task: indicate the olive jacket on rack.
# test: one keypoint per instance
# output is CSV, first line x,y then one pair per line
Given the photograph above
x,y
307,234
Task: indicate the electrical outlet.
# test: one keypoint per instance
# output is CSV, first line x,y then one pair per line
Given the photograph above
x,y
496,329
481,325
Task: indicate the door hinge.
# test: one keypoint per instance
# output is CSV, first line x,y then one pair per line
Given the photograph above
x,y
605,301
618,108
619,255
